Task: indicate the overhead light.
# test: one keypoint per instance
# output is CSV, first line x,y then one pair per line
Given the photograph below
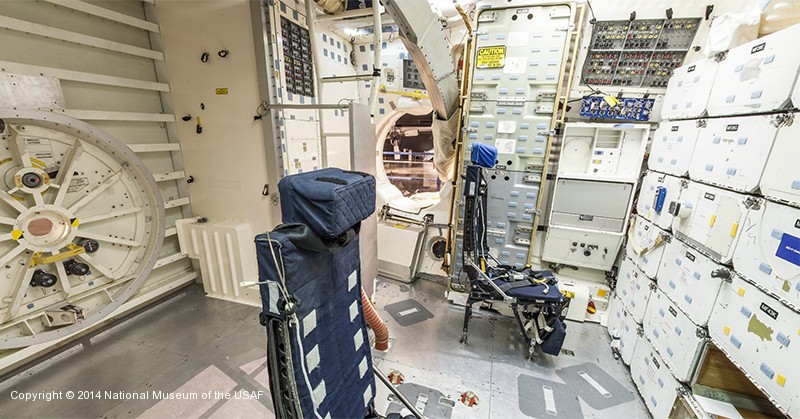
x,y
353,32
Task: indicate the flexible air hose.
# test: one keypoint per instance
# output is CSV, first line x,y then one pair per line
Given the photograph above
x,y
375,323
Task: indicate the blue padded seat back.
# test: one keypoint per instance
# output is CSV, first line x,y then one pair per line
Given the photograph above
x,y
330,348
329,201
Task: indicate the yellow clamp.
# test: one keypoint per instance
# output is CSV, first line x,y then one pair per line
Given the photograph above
x,y
416,94
74,250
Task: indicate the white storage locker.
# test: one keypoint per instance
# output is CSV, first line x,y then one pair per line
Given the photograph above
x,y
768,252
679,341
633,288
781,178
603,151
757,76
710,218
653,379
646,245
732,152
686,277
622,322
655,194
688,90
672,147
757,333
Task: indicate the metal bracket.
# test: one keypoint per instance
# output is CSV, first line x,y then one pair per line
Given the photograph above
x,y
74,250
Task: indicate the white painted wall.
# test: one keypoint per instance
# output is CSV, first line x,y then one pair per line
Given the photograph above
x,y
227,160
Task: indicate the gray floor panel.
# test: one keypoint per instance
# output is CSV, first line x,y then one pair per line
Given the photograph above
x,y
594,386
194,342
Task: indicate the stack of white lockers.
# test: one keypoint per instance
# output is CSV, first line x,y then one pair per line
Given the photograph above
x,y
713,253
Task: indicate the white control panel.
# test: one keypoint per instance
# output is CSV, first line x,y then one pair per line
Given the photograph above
x,y
710,218
731,152
579,247
655,194
690,279
768,253
680,342
603,151
760,334
688,90
758,76
672,148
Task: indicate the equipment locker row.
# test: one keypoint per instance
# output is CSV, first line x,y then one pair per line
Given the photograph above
x,y
668,292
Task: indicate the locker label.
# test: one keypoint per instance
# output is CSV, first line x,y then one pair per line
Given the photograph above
x,y
789,249
769,310
710,196
673,312
732,127
797,224
491,57
759,47
674,128
690,256
691,68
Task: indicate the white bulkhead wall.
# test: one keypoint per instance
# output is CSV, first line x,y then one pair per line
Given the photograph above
x,y
228,160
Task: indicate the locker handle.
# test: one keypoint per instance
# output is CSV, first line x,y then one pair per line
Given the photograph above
x,y
713,220
734,229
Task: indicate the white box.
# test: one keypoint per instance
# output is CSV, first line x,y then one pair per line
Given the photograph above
x,y
579,247
680,342
732,152
622,322
768,252
603,151
756,332
646,245
672,148
591,205
688,90
686,277
781,178
757,76
710,218
655,194
633,288
655,382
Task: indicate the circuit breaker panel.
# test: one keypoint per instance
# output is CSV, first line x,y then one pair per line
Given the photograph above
x,y
292,83
518,64
639,53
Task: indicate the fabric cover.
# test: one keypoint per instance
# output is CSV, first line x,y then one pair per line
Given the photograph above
x,y
483,155
327,341
330,201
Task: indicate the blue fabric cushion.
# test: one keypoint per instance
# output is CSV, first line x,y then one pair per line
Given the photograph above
x,y
330,201
483,155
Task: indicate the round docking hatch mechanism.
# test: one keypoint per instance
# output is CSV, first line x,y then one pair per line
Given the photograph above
x,y
81,226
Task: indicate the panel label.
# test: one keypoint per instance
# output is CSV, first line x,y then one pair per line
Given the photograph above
x,y
759,47
505,145
491,57
789,249
709,196
769,310
732,127
673,312
691,68
674,128
522,11
690,256
797,224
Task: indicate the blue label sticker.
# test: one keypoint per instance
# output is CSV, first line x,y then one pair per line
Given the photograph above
x,y
789,249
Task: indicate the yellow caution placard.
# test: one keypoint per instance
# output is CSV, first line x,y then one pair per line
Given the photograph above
x,y
491,57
